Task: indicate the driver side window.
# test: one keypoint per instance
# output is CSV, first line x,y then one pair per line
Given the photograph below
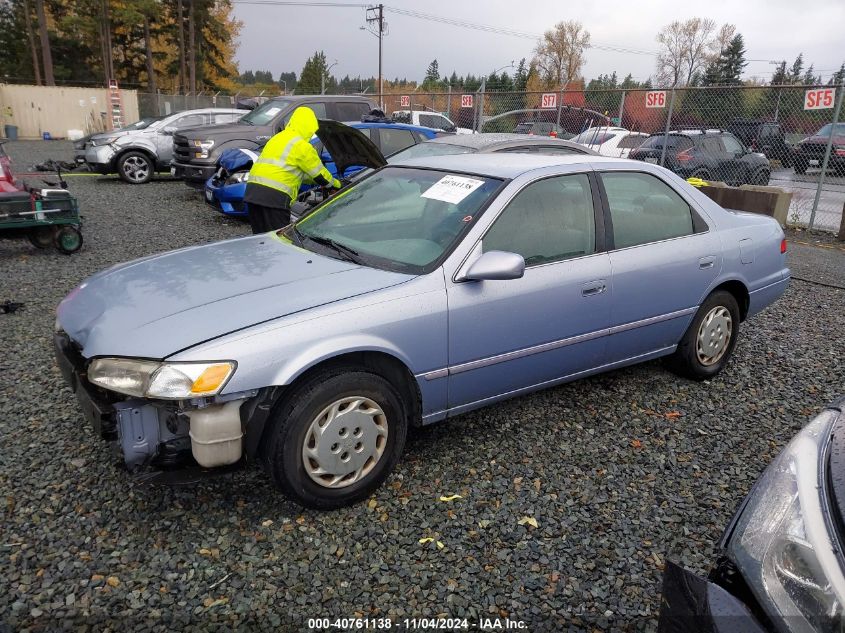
x,y
550,220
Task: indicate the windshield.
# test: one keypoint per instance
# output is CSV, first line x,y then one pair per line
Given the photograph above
x,y
593,138
399,219
143,123
429,149
825,131
676,142
266,112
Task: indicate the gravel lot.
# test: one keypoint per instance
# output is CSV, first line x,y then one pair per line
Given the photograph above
x,y
620,471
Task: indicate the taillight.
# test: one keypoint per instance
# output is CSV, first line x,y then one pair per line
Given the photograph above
x,y
783,245
684,156
840,151
553,134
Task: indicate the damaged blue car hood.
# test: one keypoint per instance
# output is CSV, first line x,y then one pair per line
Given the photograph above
x,y
159,305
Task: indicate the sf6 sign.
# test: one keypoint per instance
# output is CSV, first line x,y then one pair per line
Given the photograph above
x,y
548,100
466,101
655,99
819,99
405,101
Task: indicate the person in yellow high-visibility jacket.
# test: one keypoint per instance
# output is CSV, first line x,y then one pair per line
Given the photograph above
x,y
287,160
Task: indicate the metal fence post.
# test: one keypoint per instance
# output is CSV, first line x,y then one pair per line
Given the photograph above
x,y
559,109
449,102
827,154
480,126
666,131
621,109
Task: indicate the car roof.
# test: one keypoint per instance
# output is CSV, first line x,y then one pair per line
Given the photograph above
x,y
490,141
321,98
390,124
504,165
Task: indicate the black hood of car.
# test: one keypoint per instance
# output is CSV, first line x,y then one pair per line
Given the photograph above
x,y
252,134
348,146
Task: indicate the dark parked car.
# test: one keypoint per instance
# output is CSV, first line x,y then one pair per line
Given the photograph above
x,y
810,151
782,561
195,152
706,154
763,136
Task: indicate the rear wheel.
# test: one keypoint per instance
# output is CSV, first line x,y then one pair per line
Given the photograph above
x,y
335,438
41,236
710,339
68,239
136,168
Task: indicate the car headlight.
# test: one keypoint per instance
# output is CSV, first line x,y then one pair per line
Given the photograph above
x,y
203,147
240,176
782,543
106,140
168,381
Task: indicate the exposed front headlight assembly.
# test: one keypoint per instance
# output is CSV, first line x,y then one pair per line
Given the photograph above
x,y
238,176
168,381
782,543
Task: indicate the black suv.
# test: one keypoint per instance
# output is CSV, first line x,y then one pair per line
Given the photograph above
x,y
706,154
195,152
763,136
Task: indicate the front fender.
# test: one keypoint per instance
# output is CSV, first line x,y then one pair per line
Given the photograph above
x,y
136,144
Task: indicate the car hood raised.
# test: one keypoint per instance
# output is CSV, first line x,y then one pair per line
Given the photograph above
x,y
159,305
348,146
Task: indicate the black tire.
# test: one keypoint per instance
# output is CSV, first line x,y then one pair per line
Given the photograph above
x,y
686,360
68,239
41,236
284,441
760,177
136,168
800,166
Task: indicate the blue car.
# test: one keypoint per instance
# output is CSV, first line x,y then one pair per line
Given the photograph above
x,y
225,189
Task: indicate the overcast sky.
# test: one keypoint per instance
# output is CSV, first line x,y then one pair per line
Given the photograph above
x,y
281,38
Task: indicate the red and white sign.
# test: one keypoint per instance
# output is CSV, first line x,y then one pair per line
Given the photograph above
x,y
819,99
466,101
404,101
655,99
548,100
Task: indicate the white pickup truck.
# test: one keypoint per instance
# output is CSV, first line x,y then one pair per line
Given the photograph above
x,y
429,119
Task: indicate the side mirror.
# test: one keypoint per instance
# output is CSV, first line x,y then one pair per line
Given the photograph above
x,y
496,265
451,128
169,130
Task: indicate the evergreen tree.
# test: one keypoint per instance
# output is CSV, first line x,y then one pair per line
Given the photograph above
x,y
797,67
520,78
312,74
432,75
287,81
454,80
810,78
838,77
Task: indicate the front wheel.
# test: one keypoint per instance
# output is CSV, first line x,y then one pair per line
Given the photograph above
x,y
335,438
68,239
710,339
136,168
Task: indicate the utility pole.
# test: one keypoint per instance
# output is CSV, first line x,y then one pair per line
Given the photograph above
x,y
376,15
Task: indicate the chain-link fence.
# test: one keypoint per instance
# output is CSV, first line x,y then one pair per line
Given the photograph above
x,y
777,135
161,104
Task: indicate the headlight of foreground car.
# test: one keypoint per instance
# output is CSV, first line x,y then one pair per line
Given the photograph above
x,y
169,381
106,140
241,176
202,147
782,544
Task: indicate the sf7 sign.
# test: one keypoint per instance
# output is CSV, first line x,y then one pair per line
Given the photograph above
x,y
466,101
548,100
404,101
819,99
655,99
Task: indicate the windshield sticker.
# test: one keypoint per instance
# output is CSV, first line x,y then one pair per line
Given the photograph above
x,y
452,189
273,111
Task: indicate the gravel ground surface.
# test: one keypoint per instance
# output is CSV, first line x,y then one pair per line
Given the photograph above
x,y
620,472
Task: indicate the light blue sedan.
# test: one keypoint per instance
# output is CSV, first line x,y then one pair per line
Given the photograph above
x,y
425,290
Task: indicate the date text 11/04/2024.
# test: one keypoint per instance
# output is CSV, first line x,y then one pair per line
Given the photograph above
x,y
415,624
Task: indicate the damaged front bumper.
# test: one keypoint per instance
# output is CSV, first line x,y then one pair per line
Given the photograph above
x,y
100,158
152,436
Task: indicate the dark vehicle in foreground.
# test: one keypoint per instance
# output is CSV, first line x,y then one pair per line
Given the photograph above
x,y
706,154
763,136
422,291
809,153
196,152
782,568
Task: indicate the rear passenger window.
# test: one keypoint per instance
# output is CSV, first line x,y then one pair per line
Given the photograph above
x,y
351,111
644,209
393,141
631,141
318,108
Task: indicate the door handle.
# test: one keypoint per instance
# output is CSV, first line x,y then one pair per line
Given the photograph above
x,y
593,288
706,262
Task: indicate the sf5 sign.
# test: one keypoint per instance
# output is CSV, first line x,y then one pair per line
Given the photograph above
x,y
819,99
466,101
655,99
405,101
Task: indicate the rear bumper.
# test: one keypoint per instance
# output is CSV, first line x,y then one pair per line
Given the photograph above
x,y
690,604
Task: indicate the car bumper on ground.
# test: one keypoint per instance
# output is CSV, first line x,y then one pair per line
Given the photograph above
x,y
194,175
227,199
